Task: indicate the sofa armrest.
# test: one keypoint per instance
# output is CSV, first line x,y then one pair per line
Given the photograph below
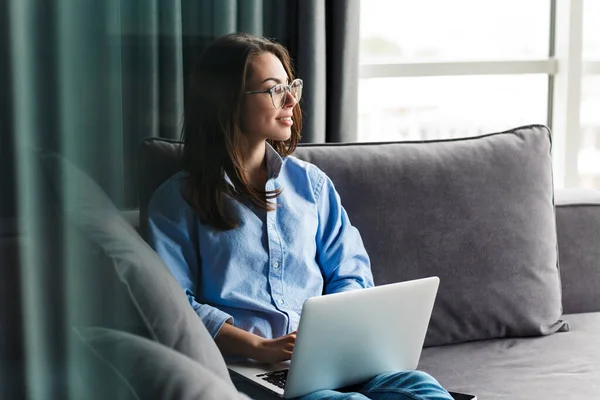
x,y
578,229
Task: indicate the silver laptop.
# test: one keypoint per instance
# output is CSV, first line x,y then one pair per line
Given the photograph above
x,y
347,338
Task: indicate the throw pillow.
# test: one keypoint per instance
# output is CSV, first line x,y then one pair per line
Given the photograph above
x,y
477,212
143,369
159,300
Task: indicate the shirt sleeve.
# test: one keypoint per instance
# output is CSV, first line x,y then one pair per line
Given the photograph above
x,y
340,250
171,234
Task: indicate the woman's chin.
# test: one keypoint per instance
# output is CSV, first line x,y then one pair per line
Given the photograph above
x,y
281,136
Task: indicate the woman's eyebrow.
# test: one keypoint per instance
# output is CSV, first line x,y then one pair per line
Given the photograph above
x,y
275,80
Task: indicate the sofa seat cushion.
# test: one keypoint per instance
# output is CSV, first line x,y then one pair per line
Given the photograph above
x,y
560,366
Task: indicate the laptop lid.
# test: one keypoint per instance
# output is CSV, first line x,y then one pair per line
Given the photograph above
x,y
350,337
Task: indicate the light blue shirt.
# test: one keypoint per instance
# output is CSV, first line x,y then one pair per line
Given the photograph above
x,y
259,274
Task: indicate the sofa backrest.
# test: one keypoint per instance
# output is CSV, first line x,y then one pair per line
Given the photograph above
x,y
158,159
577,226
477,212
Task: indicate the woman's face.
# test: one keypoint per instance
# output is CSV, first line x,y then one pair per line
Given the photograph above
x,y
260,120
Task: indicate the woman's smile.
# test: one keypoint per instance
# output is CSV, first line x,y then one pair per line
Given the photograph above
x,y
287,121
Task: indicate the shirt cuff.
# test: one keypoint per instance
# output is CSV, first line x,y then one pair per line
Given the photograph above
x,y
213,318
345,285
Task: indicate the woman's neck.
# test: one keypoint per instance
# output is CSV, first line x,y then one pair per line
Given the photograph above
x,y
255,165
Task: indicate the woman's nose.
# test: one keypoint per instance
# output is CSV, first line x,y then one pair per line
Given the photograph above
x,y
290,101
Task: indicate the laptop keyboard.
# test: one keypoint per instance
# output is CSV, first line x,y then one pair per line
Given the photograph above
x,y
276,378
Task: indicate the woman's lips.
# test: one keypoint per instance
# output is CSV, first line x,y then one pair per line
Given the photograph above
x,y
287,121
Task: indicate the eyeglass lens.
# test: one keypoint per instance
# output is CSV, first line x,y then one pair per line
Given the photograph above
x,y
279,93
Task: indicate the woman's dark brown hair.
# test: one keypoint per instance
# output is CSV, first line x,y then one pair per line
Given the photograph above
x,y
211,127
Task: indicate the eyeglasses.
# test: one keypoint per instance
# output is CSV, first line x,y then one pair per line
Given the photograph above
x,y
279,92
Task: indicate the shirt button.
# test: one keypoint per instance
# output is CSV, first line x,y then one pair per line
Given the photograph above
x,y
280,301
276,264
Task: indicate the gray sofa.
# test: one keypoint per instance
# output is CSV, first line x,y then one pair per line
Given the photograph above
x,y
510,320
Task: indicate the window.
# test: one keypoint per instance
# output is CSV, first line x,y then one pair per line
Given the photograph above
x,y
416,108
458,30
588,160
591,30
440,69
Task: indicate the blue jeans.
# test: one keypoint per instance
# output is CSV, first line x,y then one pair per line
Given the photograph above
x,y
406,385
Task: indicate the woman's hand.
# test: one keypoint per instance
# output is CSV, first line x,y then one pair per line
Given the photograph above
x,y
275,350
237,342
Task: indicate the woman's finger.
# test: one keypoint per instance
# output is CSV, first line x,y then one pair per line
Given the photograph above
x,y
288,340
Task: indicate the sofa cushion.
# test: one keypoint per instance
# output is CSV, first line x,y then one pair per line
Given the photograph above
x,y
477,212
560,366
157,297
133,367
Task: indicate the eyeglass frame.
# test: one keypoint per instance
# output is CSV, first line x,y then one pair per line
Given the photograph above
x,y
287,88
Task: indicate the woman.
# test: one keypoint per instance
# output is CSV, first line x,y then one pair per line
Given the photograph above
x,y
250,232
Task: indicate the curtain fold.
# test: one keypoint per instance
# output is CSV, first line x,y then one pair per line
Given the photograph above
x,y
11,349
327,59
343,19
34,124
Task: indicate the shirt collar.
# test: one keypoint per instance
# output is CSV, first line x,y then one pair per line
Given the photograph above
x,y
274,163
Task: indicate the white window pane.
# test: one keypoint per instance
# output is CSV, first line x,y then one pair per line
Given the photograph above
x,y
588,161
434,30
591,30
421,108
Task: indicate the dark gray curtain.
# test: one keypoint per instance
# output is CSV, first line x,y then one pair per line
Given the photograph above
x,y
120,69
89,80
327,60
